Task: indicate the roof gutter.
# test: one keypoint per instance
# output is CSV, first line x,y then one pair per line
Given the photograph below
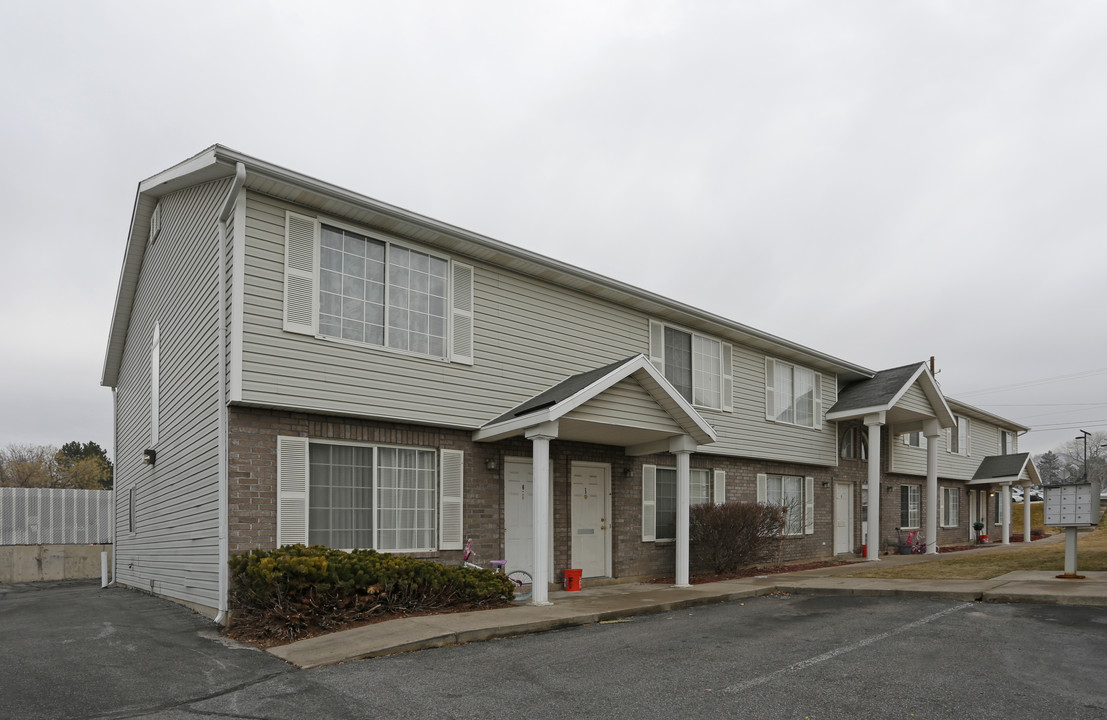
x,y
224,485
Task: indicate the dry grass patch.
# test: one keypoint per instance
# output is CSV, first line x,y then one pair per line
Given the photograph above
x,y
1091,556
1037,518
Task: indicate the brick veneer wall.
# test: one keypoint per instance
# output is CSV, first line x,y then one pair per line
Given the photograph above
x,y
856,471
253,481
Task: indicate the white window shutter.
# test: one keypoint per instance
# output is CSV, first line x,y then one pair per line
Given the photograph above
x,y
817,415
949,440
292,491
941,506
809,505
762,488
461,313
300,253
649,503
968,436
770,397
657,345
719,489
451,498
728,378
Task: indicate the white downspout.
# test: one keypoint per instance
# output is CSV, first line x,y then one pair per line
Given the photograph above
x,y
224,489
114,486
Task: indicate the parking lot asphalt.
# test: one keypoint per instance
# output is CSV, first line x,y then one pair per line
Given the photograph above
x,y
74,650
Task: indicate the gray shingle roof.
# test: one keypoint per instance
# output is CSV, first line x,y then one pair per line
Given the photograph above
x,y
563,390
1000,466
876,391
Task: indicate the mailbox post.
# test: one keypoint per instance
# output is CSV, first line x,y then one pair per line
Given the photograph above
x,y
1071,506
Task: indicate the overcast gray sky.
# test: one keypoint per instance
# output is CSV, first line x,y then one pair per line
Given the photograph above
x,y
882,181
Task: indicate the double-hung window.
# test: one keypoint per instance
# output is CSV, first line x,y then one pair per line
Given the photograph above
x,y
369,289
659,494
958,437
697,366
795,495
1007,444
347,495
951,507
910,497
793,394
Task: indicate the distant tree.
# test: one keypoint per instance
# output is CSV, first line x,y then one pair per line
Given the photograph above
x,y
28,466
1070,457
75,466
87,464
1050,467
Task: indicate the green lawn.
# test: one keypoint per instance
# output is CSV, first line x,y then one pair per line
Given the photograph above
x,y
1091,555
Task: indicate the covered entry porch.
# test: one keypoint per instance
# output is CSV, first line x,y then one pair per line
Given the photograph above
x,y
907,400
627,405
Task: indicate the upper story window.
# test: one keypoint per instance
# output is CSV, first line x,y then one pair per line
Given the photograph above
x,y
793,394
699,367
958,437
368,289
1008,444
380,293
915,439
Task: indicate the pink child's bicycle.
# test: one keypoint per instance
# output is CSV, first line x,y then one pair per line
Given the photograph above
x,y
521,579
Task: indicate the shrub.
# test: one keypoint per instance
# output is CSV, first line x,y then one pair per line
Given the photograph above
x,y
293,589
726,537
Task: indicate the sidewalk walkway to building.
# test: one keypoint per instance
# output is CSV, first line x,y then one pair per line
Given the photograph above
x,y
606,603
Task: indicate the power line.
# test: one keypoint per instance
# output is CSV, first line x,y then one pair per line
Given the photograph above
x,y
1032,383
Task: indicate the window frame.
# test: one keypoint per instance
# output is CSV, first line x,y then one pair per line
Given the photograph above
x,y
376,490
959,436
773,391
708,485
906,492
695,368
948,494
847,446
805,487
388,241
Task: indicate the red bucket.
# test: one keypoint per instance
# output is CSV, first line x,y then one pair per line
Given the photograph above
x,y
572,579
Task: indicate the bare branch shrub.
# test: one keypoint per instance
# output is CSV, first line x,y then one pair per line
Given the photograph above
x,y
726,537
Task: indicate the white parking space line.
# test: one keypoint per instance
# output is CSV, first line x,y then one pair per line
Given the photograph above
x,y
809,662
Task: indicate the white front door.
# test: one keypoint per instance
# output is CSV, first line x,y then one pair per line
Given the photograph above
x,y
590,515
843,518
518,516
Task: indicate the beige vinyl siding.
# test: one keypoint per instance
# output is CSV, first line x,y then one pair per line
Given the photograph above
x,y
626,402
174,549
983,441
915,400
528,335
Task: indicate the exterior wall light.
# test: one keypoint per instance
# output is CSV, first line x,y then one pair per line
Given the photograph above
x,y
491,464
149,456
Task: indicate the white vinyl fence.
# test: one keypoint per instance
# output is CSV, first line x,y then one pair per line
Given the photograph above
x,y
39,516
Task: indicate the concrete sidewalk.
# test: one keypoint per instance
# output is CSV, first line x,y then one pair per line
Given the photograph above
x,y
613,602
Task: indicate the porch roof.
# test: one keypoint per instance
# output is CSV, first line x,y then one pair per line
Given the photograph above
x,y
883,392
1000,469
644,409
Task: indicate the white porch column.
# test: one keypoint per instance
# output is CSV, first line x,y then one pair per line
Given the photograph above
x,y
1005,503
1026,513
682,447
931,430
874,423
540,437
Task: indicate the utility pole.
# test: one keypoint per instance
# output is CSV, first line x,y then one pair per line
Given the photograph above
x,y
1084,436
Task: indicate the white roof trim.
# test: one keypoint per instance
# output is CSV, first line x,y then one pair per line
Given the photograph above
x,y
930,389
701,432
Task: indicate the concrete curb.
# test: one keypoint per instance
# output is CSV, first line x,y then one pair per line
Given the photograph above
x,y
619,602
